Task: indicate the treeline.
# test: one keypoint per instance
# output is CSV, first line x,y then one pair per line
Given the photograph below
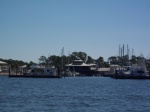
x,y
16,63
113,60
61,61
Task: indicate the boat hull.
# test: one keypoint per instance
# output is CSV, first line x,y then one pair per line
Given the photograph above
x,y
34,76
131,77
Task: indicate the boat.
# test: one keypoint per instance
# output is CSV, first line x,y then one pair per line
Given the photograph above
x,y
131,72
39,72
68,73
34,76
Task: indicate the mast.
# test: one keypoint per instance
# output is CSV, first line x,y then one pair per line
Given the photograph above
x,y
128,57
68,59
123,50
62,54
119,51
121,56
127,53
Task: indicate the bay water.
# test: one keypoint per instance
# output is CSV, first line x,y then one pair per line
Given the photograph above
x,y
74,94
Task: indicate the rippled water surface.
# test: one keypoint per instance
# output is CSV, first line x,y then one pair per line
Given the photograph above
x,y
74,94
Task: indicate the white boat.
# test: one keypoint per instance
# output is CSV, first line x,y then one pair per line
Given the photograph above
x,y
46,71
40,72
131,72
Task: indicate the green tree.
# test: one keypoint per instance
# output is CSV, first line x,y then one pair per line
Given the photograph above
x,y
78,55
90,60
100,61
42,60
133,59
29,64
112,60
55,61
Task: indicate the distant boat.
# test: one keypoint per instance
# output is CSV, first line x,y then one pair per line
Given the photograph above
x,y
134,71
39,72
131,72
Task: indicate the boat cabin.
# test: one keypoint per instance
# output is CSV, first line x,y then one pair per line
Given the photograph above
x,y
37,70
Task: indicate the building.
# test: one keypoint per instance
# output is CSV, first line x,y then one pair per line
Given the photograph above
x,y
82,68
3,66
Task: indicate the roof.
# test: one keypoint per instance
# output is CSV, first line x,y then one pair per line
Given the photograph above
x,y
24,66
2,63
81,64
34,66
114,65
103,69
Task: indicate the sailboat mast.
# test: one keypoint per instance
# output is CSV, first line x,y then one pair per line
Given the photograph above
x,y
128,52
123,50
62,54
68,57
119,51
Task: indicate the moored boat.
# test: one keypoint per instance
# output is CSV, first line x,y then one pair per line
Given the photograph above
x,y
39,72
131,72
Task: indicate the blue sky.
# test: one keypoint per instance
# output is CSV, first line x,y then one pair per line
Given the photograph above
x,y
32,28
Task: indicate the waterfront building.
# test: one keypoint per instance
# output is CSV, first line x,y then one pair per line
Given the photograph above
x,y
3,66
82,68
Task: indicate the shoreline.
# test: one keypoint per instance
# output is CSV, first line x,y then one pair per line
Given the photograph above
x,y
4,73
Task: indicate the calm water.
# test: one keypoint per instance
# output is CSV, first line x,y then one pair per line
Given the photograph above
x,y
74,94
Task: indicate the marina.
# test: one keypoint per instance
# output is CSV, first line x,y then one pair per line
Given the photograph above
x,y
74,56
78,69
119,67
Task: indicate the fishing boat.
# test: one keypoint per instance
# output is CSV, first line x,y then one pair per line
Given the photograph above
x,y
131,72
